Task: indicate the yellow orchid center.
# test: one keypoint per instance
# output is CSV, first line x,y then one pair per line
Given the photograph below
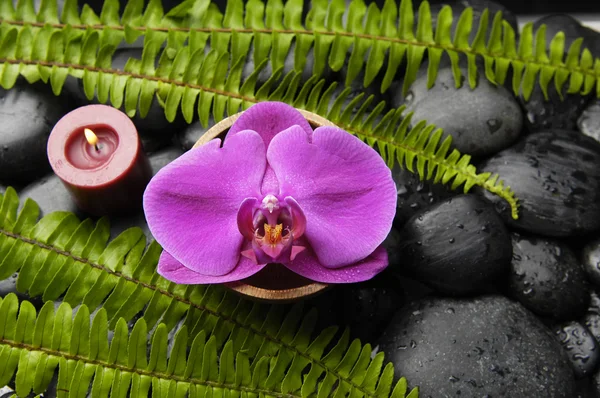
x,y
273,234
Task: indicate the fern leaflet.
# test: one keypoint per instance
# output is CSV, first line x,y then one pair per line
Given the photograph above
x,y
365,38
59,256
196,83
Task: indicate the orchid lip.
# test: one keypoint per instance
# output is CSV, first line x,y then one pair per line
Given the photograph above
x,y
272,226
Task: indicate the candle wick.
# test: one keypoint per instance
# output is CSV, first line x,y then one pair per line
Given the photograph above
x,y
97,149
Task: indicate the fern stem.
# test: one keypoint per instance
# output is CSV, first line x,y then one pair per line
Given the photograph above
x,y
142,372
480,180
296,32
182,300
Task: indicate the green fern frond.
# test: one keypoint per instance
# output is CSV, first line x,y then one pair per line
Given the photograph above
x,y
33,346
363,41
196,83
59,256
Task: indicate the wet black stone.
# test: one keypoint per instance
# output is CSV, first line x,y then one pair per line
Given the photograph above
x,y
591,320
51,195
392,244
163,157
458,246
590,258
481,121
552,113
366,307
580,348
547,278
589,121
488,345
594,303
556,178
414,194
192,133
557,112
28,113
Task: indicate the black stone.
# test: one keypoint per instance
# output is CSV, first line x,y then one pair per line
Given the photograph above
x,y
366,307
51,195
554,112
591,320
594,303
589,121
163,157
547,278
556,178
580,347
28,113
392,244
458,246
192,133
590,258
481,121
415,194
559,112
473,347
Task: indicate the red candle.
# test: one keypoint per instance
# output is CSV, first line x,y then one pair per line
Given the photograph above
x,y
96,152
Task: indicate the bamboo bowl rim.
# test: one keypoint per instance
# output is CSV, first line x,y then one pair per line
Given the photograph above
x,y
245,289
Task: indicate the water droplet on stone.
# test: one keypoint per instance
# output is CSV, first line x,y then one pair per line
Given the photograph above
x,y
494,125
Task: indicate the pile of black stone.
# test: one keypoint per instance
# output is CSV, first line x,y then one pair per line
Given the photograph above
x,y
474,303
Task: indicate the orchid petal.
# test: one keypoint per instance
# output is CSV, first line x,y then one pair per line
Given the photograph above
x,y
307,265
298,218
191,204
174,271
344,188
245,217
268,119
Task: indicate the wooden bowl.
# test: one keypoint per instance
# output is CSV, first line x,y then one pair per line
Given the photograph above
x,y
274,283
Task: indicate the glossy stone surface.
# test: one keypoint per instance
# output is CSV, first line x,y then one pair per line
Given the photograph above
x,y
473,347
458,246
556,177
547,278
481,121
580,347
28,113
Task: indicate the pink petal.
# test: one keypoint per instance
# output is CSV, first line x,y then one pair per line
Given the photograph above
x,y
174,271
298,218
245,217
268,119
344,188
191,204
307,265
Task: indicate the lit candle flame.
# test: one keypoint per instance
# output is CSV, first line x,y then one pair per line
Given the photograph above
x,y
91,137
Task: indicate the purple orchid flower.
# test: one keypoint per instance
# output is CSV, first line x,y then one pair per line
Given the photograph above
x,y
319,202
